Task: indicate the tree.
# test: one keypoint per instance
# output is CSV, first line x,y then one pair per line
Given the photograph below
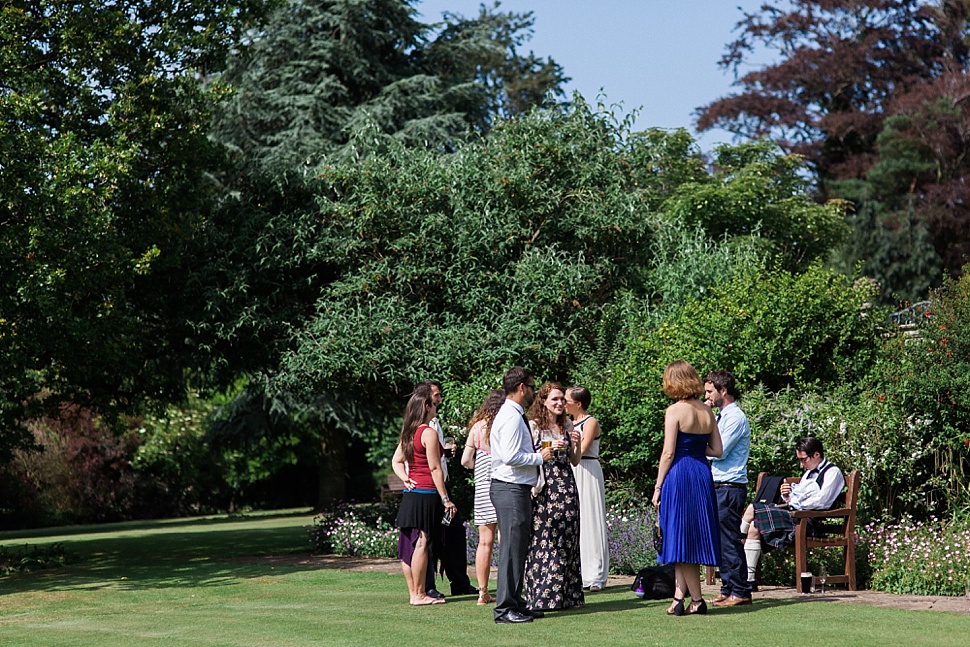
x,y
320,70
838,64
872,93
103,141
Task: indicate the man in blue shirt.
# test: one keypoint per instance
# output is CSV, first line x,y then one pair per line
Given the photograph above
x,y
730,473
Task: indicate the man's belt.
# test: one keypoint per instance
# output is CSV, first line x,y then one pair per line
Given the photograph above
x,y
743,486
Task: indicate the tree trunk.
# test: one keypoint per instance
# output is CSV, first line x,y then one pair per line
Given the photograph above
x,y
332,479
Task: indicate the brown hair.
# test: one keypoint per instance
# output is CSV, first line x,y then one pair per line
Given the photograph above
x,y
540,414
681,381
415,415
493,402
580,394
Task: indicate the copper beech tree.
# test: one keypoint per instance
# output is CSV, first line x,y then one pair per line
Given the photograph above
x,y
872,93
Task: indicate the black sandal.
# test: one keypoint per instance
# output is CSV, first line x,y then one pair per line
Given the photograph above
x,y
676,609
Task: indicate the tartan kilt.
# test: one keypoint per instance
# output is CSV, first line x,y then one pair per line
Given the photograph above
x,y
775,525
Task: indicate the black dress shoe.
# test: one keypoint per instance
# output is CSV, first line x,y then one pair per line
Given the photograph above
x,y
436,594
535,614
468,589
512,617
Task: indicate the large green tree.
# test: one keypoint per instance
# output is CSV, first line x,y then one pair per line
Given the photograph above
x,y
103,137
518,249
320,70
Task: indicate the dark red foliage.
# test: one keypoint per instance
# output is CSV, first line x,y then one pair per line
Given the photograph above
x,y
843,70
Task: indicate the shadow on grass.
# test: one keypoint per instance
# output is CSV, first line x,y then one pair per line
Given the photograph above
x,y
9,536
194,553
608,606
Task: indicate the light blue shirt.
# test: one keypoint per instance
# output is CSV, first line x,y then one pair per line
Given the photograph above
x,y
732,466
514,459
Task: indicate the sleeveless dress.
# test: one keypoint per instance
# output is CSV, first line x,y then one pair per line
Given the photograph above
x,y
553,577
594,548
688,508
484,510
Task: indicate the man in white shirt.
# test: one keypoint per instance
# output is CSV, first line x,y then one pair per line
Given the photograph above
x,y
514,472
818,489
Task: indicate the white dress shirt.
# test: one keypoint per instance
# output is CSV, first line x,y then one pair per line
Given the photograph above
x,y
806,494
514,459
434,424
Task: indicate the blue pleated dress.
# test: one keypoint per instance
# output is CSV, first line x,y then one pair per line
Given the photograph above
x,y
688,507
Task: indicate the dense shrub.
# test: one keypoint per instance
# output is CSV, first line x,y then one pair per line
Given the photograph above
x,y
78,472
629,530
919,558
32,558
921,379
361,530
772,328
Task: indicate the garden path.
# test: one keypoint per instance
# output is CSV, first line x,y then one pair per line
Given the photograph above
x,y
835,595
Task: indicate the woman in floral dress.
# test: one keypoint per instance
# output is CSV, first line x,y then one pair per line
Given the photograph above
x,y
553,576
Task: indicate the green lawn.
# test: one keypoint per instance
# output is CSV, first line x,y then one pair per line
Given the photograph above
x,y
183,583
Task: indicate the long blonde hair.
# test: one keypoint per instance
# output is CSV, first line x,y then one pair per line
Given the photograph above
x,y
487,411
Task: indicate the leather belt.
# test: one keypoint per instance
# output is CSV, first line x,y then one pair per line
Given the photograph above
x,y
738,485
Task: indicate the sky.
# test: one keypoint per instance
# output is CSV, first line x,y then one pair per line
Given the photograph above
x,y
658,56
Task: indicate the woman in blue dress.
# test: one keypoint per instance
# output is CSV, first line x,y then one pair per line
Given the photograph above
x,y
685,489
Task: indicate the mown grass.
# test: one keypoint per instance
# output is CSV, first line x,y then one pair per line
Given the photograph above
x,y
189,582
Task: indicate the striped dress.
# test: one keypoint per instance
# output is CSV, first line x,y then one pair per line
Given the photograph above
x,y
484,510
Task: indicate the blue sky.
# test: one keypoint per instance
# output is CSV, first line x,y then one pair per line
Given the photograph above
x,y
656,55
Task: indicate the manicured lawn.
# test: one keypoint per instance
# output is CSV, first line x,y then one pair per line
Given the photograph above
x,y
184,583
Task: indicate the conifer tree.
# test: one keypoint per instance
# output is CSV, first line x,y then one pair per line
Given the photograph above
x,y
321,70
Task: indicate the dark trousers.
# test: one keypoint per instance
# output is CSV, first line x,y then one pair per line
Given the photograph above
x,y
513,505
734,568
450,548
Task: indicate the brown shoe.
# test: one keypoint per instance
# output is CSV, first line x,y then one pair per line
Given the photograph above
x,y
719,599
734,601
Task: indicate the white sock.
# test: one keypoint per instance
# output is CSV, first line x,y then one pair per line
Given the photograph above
x,y
752,554
744,528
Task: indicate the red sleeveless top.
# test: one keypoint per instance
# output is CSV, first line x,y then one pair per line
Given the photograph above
x,y
418,469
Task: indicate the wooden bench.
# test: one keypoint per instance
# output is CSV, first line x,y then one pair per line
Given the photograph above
x,y
841,533
394,486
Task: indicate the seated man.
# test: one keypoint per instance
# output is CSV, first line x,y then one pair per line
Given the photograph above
x,y
820,486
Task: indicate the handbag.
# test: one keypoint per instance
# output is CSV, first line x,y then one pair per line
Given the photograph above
x,y
540,482
658,538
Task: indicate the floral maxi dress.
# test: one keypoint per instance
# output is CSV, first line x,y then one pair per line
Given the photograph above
x,y
553,576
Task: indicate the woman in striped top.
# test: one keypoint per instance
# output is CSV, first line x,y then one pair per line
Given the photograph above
x,y
478,455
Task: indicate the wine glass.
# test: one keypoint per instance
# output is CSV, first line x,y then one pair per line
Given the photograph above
x,y
821,580
966,588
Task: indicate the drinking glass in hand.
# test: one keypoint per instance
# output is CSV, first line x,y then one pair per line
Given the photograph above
x,y
546,441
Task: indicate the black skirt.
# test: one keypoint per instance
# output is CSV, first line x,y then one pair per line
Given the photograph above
x,y
421,511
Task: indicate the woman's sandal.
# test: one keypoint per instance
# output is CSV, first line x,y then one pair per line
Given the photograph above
x,y
484,597
677,608
696,608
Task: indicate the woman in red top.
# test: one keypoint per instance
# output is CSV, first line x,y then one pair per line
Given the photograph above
x,y
417,462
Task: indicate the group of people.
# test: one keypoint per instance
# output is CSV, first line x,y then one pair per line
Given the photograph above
x,y
701,491
553,436
539,487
